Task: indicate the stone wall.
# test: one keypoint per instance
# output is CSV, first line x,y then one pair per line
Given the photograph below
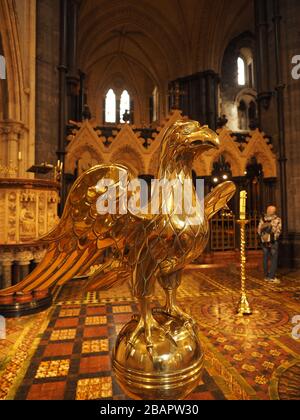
x,y
47,91
290,48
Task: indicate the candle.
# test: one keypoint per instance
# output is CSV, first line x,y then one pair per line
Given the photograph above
x,y
243,198
19,156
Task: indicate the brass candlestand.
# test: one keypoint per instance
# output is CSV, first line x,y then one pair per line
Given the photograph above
x,y
244,307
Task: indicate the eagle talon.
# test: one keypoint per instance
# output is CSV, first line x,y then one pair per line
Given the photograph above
x,y
146,328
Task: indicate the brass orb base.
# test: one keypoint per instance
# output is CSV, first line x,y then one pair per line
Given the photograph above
x,y
171,372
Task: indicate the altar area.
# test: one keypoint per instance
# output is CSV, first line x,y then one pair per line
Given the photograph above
x,y
65,352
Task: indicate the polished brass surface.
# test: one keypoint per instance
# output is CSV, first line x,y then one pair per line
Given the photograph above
x,y
244,306
157,354
173,369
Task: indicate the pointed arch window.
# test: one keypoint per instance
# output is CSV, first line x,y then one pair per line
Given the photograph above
x,y
124,106
241,67
110,107
2,68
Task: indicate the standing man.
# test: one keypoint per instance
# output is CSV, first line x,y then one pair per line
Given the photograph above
x,y
269,230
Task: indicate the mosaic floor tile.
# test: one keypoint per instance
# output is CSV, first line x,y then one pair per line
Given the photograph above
x,y
96,320
53,369
242,355
95,346
62,335
121,309
93,389
69,313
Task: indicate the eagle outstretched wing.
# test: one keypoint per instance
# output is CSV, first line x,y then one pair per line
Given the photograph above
x,y
83,234
218,198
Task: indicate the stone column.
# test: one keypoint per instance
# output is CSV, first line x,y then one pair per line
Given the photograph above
x,y
262,57
211,92
290,47
63,69
16,274
73,79
24,258
10,136
6,260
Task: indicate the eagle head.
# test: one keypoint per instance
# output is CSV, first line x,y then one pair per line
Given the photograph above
x,y
189,137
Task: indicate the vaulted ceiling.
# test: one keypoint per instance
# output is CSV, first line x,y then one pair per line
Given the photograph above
x,y
144,43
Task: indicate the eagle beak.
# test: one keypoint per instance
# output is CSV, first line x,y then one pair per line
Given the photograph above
x,y
204,138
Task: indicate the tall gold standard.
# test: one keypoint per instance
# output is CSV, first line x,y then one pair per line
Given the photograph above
x,y
244,306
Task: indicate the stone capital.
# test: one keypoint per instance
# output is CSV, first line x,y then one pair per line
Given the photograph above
x,y
7,258
24,257
12,128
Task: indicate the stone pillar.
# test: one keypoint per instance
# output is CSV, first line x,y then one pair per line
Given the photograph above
x,y
211,92
73,79
10,136
287,47
6,260
262,57
23,259
47,89
16,274
280,88
81,114
63,69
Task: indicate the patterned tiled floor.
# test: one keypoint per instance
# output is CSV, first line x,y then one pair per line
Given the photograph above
x,y
246,358
73,358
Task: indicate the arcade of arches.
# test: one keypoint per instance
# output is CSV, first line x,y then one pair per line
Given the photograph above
x,y
84,82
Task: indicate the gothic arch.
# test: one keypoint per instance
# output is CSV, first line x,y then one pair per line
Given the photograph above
x,y
232,158
129,157
230,18
82,157
229,149
154,163
126,137
258,147
85,138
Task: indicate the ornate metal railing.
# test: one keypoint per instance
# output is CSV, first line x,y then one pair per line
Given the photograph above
x,y
225,233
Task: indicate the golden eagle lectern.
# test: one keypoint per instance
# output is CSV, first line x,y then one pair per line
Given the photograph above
x,y
157,354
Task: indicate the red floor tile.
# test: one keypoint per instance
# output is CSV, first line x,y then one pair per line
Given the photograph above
x,y
122,319
63,349
47,391
94,364
96,311
66,323
95,332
